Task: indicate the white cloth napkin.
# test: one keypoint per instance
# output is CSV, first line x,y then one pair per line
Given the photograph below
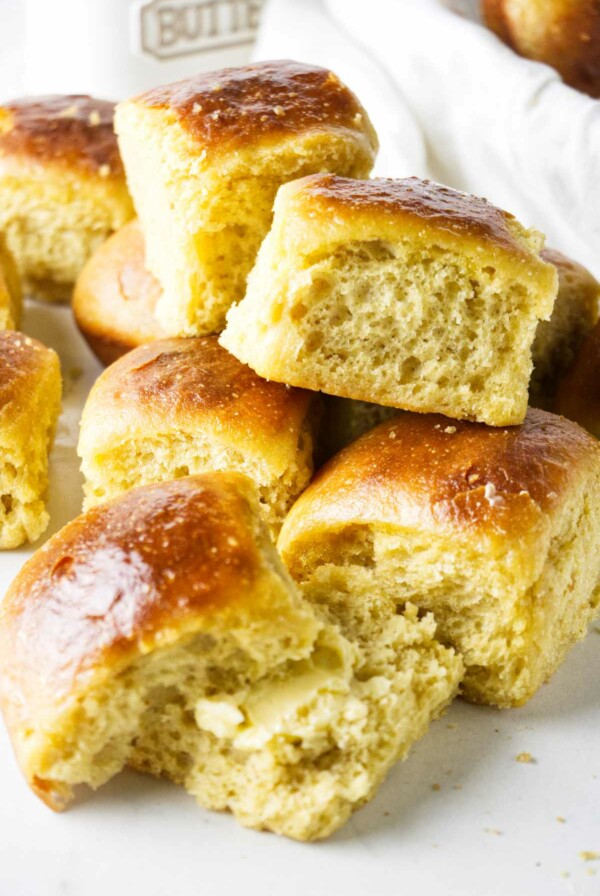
x,y
451,102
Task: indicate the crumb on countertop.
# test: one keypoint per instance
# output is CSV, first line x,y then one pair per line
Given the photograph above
x,y
524,757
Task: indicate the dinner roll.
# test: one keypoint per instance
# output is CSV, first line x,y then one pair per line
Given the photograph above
x,y
578,394
182,406
10,289
493,530
562,33
30,389
115,296
62,187
204,159
556,342
398,292
558,339
161,631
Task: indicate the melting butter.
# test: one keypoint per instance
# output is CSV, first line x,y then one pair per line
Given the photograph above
x,y
304,703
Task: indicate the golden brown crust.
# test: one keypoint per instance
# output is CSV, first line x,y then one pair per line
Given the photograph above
x,y
71,131
577,280
421,201
495,18
578,394
187,380
115,296
558,340
562,33
11,294
438,474
22,361
122,578
261,102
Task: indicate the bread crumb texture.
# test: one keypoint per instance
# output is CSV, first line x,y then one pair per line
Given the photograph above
x,y
182,648
557,343
376,290
30,392
11,298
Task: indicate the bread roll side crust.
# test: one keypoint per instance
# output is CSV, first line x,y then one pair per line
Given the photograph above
x,y
561,33
578,393
115,297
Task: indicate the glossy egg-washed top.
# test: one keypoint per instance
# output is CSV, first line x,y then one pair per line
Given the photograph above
x,y
255,103
434,474
178,382
74,131
125,577
22,362
115,296
397,200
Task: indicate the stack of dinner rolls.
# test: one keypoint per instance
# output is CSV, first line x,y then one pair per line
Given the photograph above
x,y
270,638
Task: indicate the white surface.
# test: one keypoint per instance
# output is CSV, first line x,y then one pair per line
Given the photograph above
x,y
490,830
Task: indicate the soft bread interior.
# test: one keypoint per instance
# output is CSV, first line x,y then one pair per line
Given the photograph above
x,y
512,617
26,436
10,289
170,455
290,730
53,227
204,217
396,323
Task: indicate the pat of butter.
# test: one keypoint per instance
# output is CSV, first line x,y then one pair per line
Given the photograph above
x,y
220,717
270,703
318,686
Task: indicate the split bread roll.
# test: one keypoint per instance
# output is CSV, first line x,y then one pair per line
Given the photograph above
x,y
578,394
376,290
62,187
562,33
204,158
556,344
115,297
11,299
30,391
184,406
161,631
494,531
